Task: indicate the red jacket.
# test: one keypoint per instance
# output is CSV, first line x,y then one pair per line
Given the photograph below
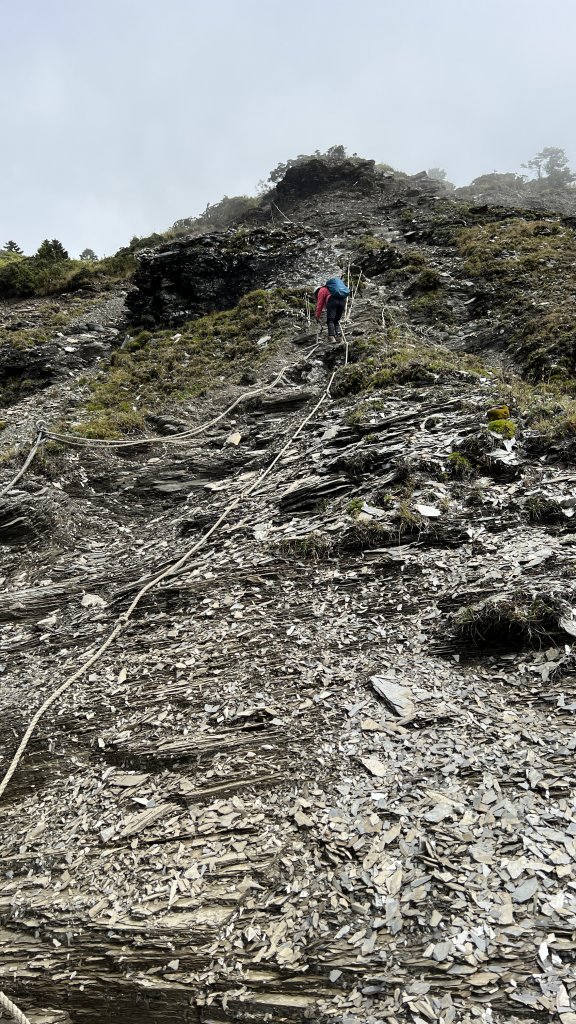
x,y
323,296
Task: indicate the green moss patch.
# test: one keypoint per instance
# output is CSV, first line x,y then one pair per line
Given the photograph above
x,y
428,280
354,506
460,465
431,308
506,428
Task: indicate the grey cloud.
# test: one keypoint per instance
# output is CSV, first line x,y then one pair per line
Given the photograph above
x,y
124,116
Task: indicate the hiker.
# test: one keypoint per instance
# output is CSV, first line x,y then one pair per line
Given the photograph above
x,y
332,297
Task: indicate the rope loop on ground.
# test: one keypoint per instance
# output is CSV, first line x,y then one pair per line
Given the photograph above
x,y
184,437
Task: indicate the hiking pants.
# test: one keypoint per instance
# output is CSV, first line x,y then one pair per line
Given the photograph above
x,y
334,310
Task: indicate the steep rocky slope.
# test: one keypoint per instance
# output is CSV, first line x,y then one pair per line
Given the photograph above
x,y
327,770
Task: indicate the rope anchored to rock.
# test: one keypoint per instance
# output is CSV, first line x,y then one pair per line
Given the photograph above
x,y
40,437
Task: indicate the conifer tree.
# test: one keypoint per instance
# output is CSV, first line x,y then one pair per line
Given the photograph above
x,y
52,251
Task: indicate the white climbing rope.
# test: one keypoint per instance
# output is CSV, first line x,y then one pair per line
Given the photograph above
x,y
181,438
12,1009
123,619
40,436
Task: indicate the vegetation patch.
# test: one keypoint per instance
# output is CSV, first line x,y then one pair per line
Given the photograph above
x,y
539,509
361,536
548,412
375,256
216,217
312,547
162,367
23,277
530,267
26,337
408,521
510,622
9,456
382,498
364,413
558,422
350,380
460,465
428,280
382,362
354,507
477,448
369,244
431,308
506,428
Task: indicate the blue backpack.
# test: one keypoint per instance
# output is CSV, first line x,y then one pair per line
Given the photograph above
x,y
337,288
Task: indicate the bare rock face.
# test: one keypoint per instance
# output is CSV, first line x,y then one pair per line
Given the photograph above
x,y
24,521
26,368
43,342
194,276
311,177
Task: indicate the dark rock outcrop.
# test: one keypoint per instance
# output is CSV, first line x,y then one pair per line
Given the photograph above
x,y
313,176
26,369
194,276
24,521
316,200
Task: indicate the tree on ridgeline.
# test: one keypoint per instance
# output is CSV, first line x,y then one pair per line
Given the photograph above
x,y
437,173
52,251
551,167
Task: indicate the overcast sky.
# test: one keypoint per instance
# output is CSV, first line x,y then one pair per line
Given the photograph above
x,y
119,117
